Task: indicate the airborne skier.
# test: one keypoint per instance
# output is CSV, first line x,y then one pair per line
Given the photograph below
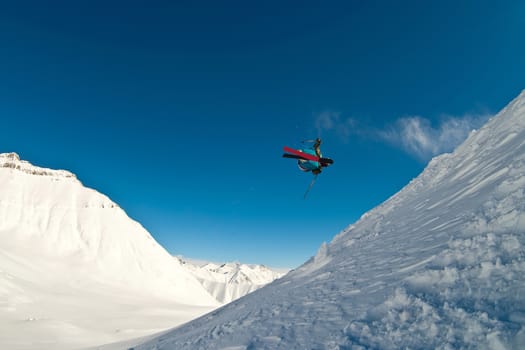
x,y
309,159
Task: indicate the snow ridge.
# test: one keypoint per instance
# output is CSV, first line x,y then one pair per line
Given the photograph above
x,y
441,265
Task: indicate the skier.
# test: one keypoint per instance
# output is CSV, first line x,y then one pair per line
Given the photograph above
x,y
309,159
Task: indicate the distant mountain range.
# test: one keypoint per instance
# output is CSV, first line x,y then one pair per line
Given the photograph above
x,y
230,281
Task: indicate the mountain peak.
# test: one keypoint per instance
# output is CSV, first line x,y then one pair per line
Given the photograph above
x,y
12,160
10,156
55,214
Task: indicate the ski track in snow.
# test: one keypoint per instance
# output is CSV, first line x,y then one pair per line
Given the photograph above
x,y
439,265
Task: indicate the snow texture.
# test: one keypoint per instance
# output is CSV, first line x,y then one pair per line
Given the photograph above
x,y
440,265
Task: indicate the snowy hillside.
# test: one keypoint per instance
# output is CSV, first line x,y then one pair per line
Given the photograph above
x,y
75,270
227,282
440,265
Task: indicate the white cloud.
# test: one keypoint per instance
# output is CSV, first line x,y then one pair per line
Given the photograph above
x,y
417,135
332,121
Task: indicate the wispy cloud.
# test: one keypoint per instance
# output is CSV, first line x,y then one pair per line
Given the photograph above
x,y
418,137
332,121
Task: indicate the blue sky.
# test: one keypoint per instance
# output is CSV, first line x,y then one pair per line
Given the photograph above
x,y
178,111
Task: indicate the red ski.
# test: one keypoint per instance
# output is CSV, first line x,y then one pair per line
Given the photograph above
x,y
307,156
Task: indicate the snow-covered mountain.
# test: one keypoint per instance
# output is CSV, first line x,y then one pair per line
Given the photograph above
x,y
230,281
76,270
440,265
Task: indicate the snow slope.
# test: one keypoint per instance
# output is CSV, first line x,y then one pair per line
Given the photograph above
x,y
440,265
75,270
230,281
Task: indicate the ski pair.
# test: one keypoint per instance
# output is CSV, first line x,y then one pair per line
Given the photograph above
x,y
297,154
